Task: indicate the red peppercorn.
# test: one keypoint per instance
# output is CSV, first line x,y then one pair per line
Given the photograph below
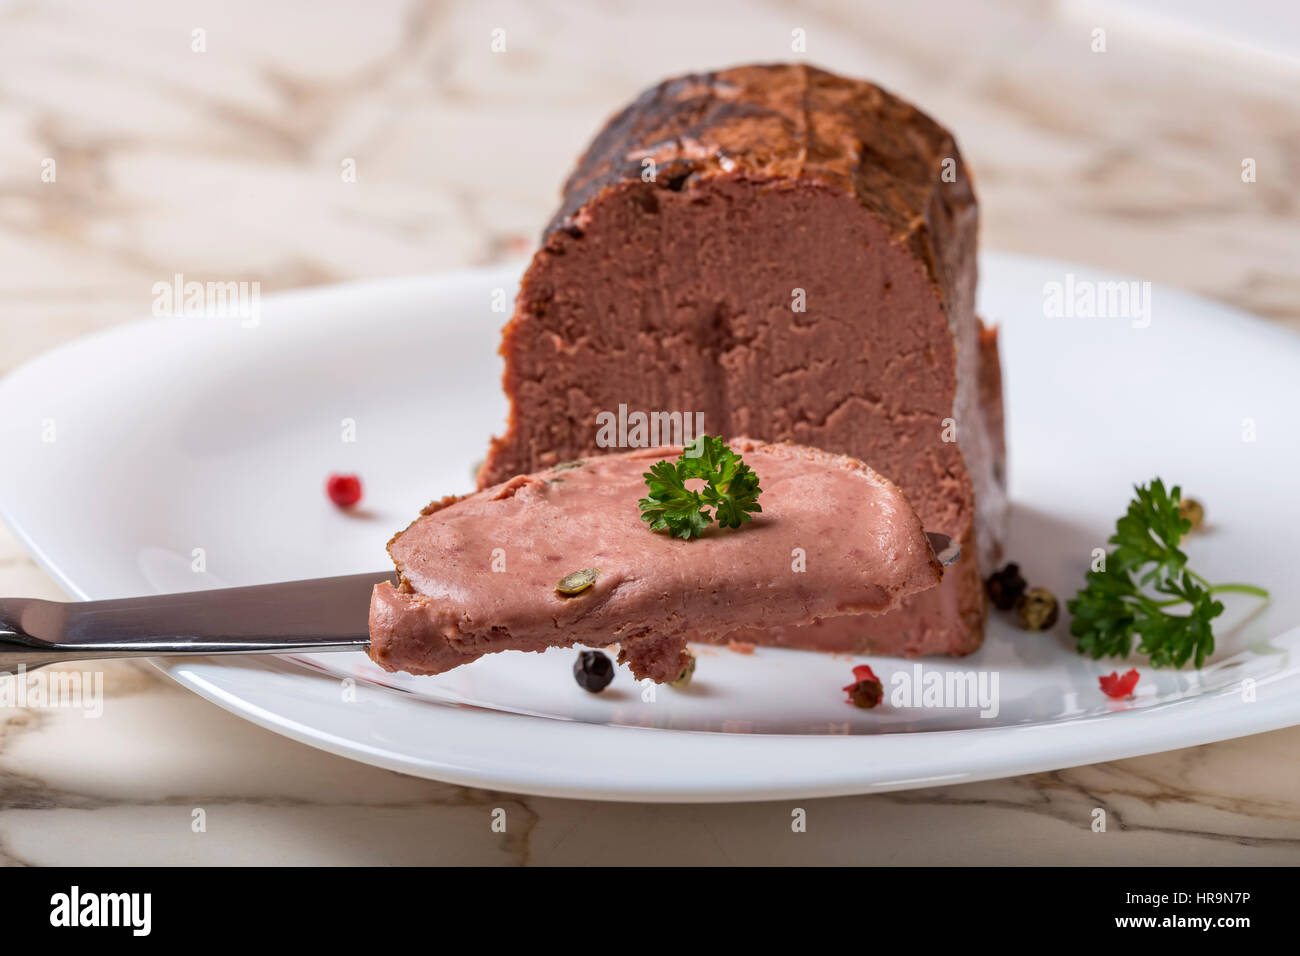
x,y
866,690
344,490
864,672
1113,685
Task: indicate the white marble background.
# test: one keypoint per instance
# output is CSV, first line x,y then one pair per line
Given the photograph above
x,y
225,164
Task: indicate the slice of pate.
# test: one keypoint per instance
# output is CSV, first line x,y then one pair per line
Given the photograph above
x,y
478,574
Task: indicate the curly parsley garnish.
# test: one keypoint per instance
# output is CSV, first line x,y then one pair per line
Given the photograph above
x,y
731,489
1120,601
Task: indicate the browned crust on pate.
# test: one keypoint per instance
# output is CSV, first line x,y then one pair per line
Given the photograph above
x,y
990,386
441,503
791,122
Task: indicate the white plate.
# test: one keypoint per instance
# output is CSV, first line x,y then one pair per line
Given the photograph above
x,y
178,434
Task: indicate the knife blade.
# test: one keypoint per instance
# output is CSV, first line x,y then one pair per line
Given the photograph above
x,y
321,614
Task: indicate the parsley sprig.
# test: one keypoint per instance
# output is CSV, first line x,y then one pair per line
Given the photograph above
x,y
731,489
1122,600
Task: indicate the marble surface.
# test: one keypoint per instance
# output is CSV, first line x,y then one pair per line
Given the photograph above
x,y
226,164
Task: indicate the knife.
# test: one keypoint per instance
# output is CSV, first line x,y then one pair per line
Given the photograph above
x,y
313,616
323,614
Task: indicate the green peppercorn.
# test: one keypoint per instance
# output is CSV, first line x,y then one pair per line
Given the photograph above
x,y
1036,610
687,673
577,582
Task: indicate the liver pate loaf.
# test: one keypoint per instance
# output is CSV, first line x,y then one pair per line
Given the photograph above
x,y
791,253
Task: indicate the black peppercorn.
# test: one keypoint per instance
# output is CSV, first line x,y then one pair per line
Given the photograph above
x,y
1036,610
593,671
867,693
1005,587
